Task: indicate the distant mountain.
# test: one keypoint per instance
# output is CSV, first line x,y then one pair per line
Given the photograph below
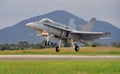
x,y
19,32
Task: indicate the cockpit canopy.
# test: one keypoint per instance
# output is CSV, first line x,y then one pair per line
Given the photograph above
x,y
46,20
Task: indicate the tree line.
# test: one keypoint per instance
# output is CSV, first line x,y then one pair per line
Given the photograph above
x,y
25,45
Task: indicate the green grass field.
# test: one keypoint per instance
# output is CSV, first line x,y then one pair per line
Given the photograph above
x,y
67,51
63,66
60,67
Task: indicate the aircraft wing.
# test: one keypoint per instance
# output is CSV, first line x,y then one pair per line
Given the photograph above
x,y
58,27
88,36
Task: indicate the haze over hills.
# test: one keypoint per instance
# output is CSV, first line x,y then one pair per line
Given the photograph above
x,y
19,32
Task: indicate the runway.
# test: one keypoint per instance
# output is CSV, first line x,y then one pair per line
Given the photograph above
x,y
58,57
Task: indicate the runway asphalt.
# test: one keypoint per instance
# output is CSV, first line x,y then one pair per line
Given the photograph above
x,y
59,57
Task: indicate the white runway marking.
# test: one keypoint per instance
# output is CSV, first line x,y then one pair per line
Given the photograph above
x,y
58,57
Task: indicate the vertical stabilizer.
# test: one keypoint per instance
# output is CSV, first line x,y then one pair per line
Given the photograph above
x,y
72,24
89,25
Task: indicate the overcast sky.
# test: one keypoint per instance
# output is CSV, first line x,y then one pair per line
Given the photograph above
x,y
14,11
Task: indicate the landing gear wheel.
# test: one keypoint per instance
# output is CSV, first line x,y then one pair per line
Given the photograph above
x,y
76,48
47,43
57,49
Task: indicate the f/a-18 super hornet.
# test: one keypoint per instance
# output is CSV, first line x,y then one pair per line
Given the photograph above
x,y
49,28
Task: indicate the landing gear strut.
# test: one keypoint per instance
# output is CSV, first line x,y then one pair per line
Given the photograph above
x,y
75,46
47,42
58,47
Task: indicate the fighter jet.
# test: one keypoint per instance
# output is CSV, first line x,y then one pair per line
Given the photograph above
x,y
49,28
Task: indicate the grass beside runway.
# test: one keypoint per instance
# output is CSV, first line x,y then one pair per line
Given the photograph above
x,y
67,51
60,67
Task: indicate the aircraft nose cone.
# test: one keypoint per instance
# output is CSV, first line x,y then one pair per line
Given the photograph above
x,y
30,25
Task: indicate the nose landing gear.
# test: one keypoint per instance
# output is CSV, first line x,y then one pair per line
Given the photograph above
x,y
47,43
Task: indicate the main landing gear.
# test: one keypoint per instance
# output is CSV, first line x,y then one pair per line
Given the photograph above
x,y
75,46
58,47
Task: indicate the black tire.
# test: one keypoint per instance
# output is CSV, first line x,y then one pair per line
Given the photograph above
x,y
76,48
47,43
57,49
